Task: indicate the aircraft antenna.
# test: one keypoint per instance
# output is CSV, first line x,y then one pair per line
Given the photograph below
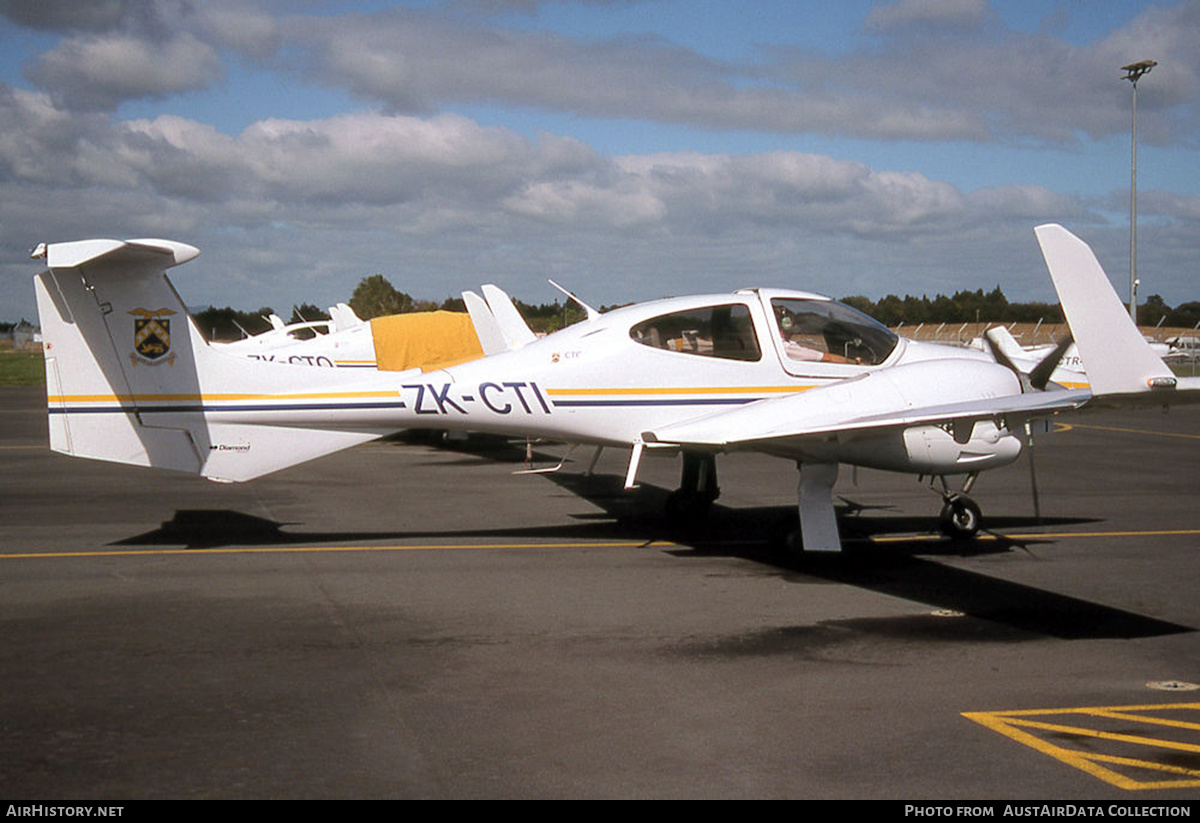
x,y
592,314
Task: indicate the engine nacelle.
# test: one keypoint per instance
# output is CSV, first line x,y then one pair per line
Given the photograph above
x,y
954,448
932,449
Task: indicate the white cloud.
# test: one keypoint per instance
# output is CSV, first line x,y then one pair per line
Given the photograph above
x,y
937,70
447,202
98,72
955,13
971,78
241,28
68,15
300,209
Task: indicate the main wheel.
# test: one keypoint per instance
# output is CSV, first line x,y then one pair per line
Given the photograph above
x,y
687,508
960,517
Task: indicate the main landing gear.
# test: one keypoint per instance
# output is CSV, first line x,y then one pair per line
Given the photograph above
x,y
697,489
817,528
960,517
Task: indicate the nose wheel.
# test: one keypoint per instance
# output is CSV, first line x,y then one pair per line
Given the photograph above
x,y
960,517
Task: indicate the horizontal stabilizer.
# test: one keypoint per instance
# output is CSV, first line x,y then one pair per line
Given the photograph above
x,y
238,452
161,253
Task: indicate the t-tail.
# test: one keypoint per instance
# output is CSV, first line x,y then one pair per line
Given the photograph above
x,y
130,379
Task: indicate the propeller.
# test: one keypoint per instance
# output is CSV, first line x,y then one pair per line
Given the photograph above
x,y
1036,379
1039,378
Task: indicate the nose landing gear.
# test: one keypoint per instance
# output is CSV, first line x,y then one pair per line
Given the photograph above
x,y
960,516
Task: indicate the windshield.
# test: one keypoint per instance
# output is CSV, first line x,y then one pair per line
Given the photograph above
x,y
829,332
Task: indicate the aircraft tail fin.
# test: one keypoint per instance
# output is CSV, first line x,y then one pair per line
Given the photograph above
x,y
127,370
112,327
343,317
497,322
488,330
1001,339
514,328
1118,360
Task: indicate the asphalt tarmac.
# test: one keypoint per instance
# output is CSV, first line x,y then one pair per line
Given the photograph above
x,y
409,621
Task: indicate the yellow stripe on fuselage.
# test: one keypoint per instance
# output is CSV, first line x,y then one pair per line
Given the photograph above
x,y
681,390
158,398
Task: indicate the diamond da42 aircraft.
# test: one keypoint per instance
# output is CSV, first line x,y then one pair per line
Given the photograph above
x,y
131,379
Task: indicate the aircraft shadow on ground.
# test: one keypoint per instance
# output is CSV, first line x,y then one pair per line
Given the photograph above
x,y
901,567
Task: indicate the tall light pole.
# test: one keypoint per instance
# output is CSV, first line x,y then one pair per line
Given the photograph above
x,y
1133,73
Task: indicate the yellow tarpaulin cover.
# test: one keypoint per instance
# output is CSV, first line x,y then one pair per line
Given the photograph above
x,y
428,340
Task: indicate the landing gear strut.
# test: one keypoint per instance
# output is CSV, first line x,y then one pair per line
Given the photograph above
x,y
960,517
697,488
816,528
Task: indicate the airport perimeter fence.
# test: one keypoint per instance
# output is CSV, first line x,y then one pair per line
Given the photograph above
x,y
1185,360
1027,334
21,337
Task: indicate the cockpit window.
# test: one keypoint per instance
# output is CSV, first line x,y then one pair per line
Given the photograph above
x,y
716,331
822,330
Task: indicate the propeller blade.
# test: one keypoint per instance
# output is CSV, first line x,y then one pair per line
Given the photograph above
x,y
1040,376
1004,360
998,354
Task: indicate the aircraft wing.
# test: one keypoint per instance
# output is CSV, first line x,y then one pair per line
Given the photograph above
x,y
779,423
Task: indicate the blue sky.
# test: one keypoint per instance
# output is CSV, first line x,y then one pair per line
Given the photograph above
x,y
627,148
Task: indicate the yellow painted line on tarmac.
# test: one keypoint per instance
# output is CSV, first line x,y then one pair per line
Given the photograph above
x,y
1131,533
631,544
1135,758
1036,535
1125,430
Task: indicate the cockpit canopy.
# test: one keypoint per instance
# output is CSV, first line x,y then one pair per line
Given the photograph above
x,y
806,328
832,332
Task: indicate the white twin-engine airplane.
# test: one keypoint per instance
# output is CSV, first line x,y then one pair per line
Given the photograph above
x,y
130,379
342,341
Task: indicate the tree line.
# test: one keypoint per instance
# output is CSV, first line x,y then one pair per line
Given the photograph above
x,y
993,307
375,296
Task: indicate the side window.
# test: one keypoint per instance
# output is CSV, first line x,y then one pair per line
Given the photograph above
x,y
717,331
